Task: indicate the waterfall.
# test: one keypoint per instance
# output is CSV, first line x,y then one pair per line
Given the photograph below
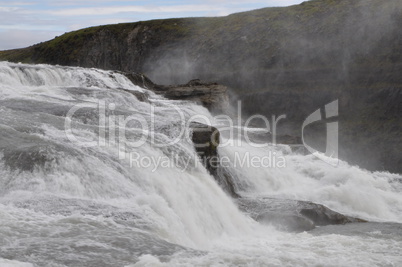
x,y
40,161
89,168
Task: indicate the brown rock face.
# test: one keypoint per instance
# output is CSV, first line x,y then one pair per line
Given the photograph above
x,y
206,141
211,95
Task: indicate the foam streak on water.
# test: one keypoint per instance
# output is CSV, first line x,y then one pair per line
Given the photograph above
x,y
66,204
346,189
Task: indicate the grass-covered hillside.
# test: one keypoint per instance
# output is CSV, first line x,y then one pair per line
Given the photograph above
x,y
318,33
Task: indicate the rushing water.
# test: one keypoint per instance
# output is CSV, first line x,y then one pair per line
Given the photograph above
x,y
86,180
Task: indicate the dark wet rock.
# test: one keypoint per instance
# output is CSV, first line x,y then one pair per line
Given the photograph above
x,y
322,215
141,96
387,230
206,141
292,215
211,95
286,222
143,81
225,180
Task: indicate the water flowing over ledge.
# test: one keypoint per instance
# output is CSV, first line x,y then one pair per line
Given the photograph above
x,y
90,195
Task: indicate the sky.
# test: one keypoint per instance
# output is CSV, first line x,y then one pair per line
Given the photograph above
x,y
24,23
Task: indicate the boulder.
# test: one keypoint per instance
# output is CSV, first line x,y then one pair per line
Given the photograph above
x,y
286,222
292,215
322,215
206,141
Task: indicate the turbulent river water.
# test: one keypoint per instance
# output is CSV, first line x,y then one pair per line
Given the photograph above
x,y
92,174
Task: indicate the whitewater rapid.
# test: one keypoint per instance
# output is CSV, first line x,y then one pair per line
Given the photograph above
x,y
73,197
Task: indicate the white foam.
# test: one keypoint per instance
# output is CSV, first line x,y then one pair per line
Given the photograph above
x,y
347,189
81,185
11,263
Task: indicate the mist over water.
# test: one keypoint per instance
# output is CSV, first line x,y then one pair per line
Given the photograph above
x,y
335,35
292,60
77,197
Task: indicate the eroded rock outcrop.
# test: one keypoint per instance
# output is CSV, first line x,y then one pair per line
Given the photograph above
x,y
206,141
211,95
292,215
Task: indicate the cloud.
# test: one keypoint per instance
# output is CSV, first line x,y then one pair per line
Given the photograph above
x,y
8,9
11,39
86,3
8,3
124,9
216,7
261,3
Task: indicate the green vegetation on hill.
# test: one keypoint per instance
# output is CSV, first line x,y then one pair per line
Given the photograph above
x,y
66,48
260,34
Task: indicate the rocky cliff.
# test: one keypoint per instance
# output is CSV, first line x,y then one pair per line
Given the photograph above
x,y
213,96
290,61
